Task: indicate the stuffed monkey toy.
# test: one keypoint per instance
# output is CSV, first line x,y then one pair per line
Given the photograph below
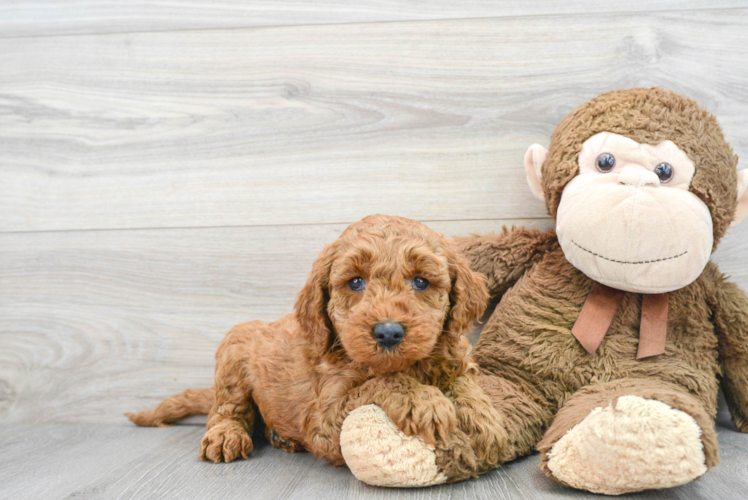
x,y
614,332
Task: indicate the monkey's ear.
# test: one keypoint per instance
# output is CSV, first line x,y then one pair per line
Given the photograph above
x,y
534,159
742,211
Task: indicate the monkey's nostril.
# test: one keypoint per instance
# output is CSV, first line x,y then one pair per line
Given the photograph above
x,y
388,334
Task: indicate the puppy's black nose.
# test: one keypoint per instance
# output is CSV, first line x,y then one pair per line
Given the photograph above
x,y
388,334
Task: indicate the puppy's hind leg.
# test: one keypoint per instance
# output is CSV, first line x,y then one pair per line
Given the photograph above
x,y
280,442
231,419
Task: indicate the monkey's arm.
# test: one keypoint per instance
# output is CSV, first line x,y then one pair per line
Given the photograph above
x,y
503,258
731,323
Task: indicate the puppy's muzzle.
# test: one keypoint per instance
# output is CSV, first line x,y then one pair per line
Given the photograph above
x,y
388,335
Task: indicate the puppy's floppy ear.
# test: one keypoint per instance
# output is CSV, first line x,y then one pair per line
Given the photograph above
x,y
468,296
311,303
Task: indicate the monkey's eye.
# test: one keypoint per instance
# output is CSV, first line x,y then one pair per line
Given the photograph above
x,y
606,162
664,171
356,284
420,284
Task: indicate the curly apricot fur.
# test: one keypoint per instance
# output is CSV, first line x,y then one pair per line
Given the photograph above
x,y
308,370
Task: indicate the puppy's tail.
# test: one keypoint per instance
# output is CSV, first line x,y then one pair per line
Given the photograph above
x,y
188,403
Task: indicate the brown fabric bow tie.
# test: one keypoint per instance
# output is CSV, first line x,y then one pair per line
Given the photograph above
x,y
600,307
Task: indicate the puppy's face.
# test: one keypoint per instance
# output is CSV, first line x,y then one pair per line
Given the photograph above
x,y
389,298
388,290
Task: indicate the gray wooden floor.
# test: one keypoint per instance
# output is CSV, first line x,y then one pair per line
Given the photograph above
x,y
170,169
81,461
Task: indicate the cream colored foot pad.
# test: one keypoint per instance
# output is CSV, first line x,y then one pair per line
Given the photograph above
x,y
640,444
379,454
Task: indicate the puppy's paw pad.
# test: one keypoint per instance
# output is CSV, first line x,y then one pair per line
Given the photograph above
x,y
379,454
225,442
637,445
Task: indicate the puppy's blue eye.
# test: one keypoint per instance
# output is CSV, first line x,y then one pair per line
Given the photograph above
x,y
357,284
420,284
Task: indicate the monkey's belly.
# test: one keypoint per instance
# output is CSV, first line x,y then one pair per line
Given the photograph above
x,y
529,335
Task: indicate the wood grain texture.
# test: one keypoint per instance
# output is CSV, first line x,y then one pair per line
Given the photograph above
x,y
320,124
126,462
96,323
43,18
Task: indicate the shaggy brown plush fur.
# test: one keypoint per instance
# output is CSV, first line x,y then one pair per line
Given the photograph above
x,y
532,366
536,372
307,371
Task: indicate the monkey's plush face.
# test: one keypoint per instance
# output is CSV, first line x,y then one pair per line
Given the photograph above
x,y
629,221
642,185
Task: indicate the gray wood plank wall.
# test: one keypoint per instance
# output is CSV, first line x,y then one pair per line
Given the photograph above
x,y
34,17
166,173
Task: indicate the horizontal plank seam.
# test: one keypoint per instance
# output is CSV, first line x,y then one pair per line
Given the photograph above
x,y
335,223
281,26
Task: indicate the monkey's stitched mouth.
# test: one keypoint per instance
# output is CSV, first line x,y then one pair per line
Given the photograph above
x,y
629,262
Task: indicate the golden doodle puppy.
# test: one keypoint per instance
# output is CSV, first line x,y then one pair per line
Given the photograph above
x,y
381,321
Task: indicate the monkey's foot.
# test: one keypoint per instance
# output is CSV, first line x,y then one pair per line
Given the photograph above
x,y
637,445
379,454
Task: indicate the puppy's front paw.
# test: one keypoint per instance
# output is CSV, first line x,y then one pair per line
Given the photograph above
x,y
455,457
432,417
225,441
